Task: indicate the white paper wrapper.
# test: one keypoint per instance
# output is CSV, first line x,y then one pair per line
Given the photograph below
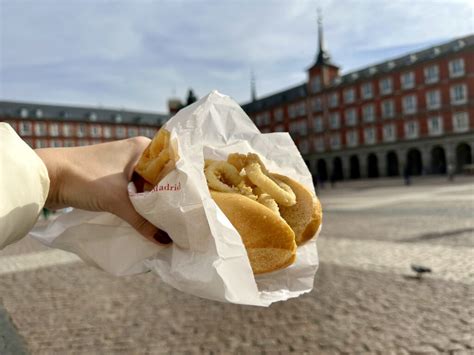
x,y
207,257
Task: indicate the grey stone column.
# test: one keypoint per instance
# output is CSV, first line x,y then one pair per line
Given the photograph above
x,y
402,159
426,159
363,165
382,163
449,150
345,167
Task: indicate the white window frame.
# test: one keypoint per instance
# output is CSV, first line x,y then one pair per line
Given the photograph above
x,y
318,124
433,104
370,135
95,130
316,84
333,99
319,144
40,129
335,141
81,130
352,138
431,74
435,129
54,129
120,131
368,112
456,68
457,99
407,80
67,130
278,114
132,131
334,120
349,95
386,86
367,90
389,137
388,113
460,122
26,128
351,116
409,104
107,132
317,104
412,133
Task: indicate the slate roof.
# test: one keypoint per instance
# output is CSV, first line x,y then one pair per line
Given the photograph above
x,y
388,66
77,113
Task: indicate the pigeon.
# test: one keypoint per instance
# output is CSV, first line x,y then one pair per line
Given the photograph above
x,y
420,270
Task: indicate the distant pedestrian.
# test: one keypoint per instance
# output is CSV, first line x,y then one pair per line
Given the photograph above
x,y
450,172
406,175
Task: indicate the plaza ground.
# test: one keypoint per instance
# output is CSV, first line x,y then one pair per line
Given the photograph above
x,y
366,298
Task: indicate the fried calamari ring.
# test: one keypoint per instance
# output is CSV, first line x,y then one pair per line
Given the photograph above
x,y
268,201
222,176
281,192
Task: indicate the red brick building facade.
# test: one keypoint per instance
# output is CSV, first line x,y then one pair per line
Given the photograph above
x,y
412,114
43,125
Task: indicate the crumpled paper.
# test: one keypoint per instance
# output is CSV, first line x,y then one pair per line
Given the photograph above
x,y
207,257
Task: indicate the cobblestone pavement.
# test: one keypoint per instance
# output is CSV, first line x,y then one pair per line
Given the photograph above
x,y
365,299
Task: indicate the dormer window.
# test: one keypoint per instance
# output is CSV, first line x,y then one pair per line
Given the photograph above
x,y
38,113
118,118
92,116
459,44
23,112
391,64
413,58
436,51
63,114
355,76
372,70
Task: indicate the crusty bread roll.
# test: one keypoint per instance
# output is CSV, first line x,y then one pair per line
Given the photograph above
x,y
268,239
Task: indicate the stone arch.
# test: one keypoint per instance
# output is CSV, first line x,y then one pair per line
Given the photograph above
x,y
463,156
438,160
354,167
392,163
414,162
322,170
372,166
337,173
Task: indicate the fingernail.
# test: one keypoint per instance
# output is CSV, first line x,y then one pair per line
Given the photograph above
x,y
162,237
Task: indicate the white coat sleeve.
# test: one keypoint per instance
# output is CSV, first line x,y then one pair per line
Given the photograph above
x,y
24,186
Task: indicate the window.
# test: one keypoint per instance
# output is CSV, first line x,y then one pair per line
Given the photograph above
x,y
55,143
299,128
431,74
120,131
335,141
367,91
368,113
292,111
40,129
54,129
369,135
83,142
118,118
433,99
456,68
411,130
95,130
460,122
132,131
92,116
319,144
316,84
67,130
107,132
407,80
458,94
303,146
318,124
334,120
409,104
389,133
41,143
333,99
349,95
25,128
351,117
38,113
23,112
435,126
301,108
352,138
263,119
81,130
280,128
69,143
388,109
386,86
278,115
317,104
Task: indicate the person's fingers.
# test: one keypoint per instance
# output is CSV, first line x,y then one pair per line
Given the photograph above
x,y
144,227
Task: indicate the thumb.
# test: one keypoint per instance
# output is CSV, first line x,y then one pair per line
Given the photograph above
x,y
144,227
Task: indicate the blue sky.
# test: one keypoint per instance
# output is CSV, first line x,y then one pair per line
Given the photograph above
x,y
137,54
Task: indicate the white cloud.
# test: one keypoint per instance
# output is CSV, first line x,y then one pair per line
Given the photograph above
x,y
136,53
